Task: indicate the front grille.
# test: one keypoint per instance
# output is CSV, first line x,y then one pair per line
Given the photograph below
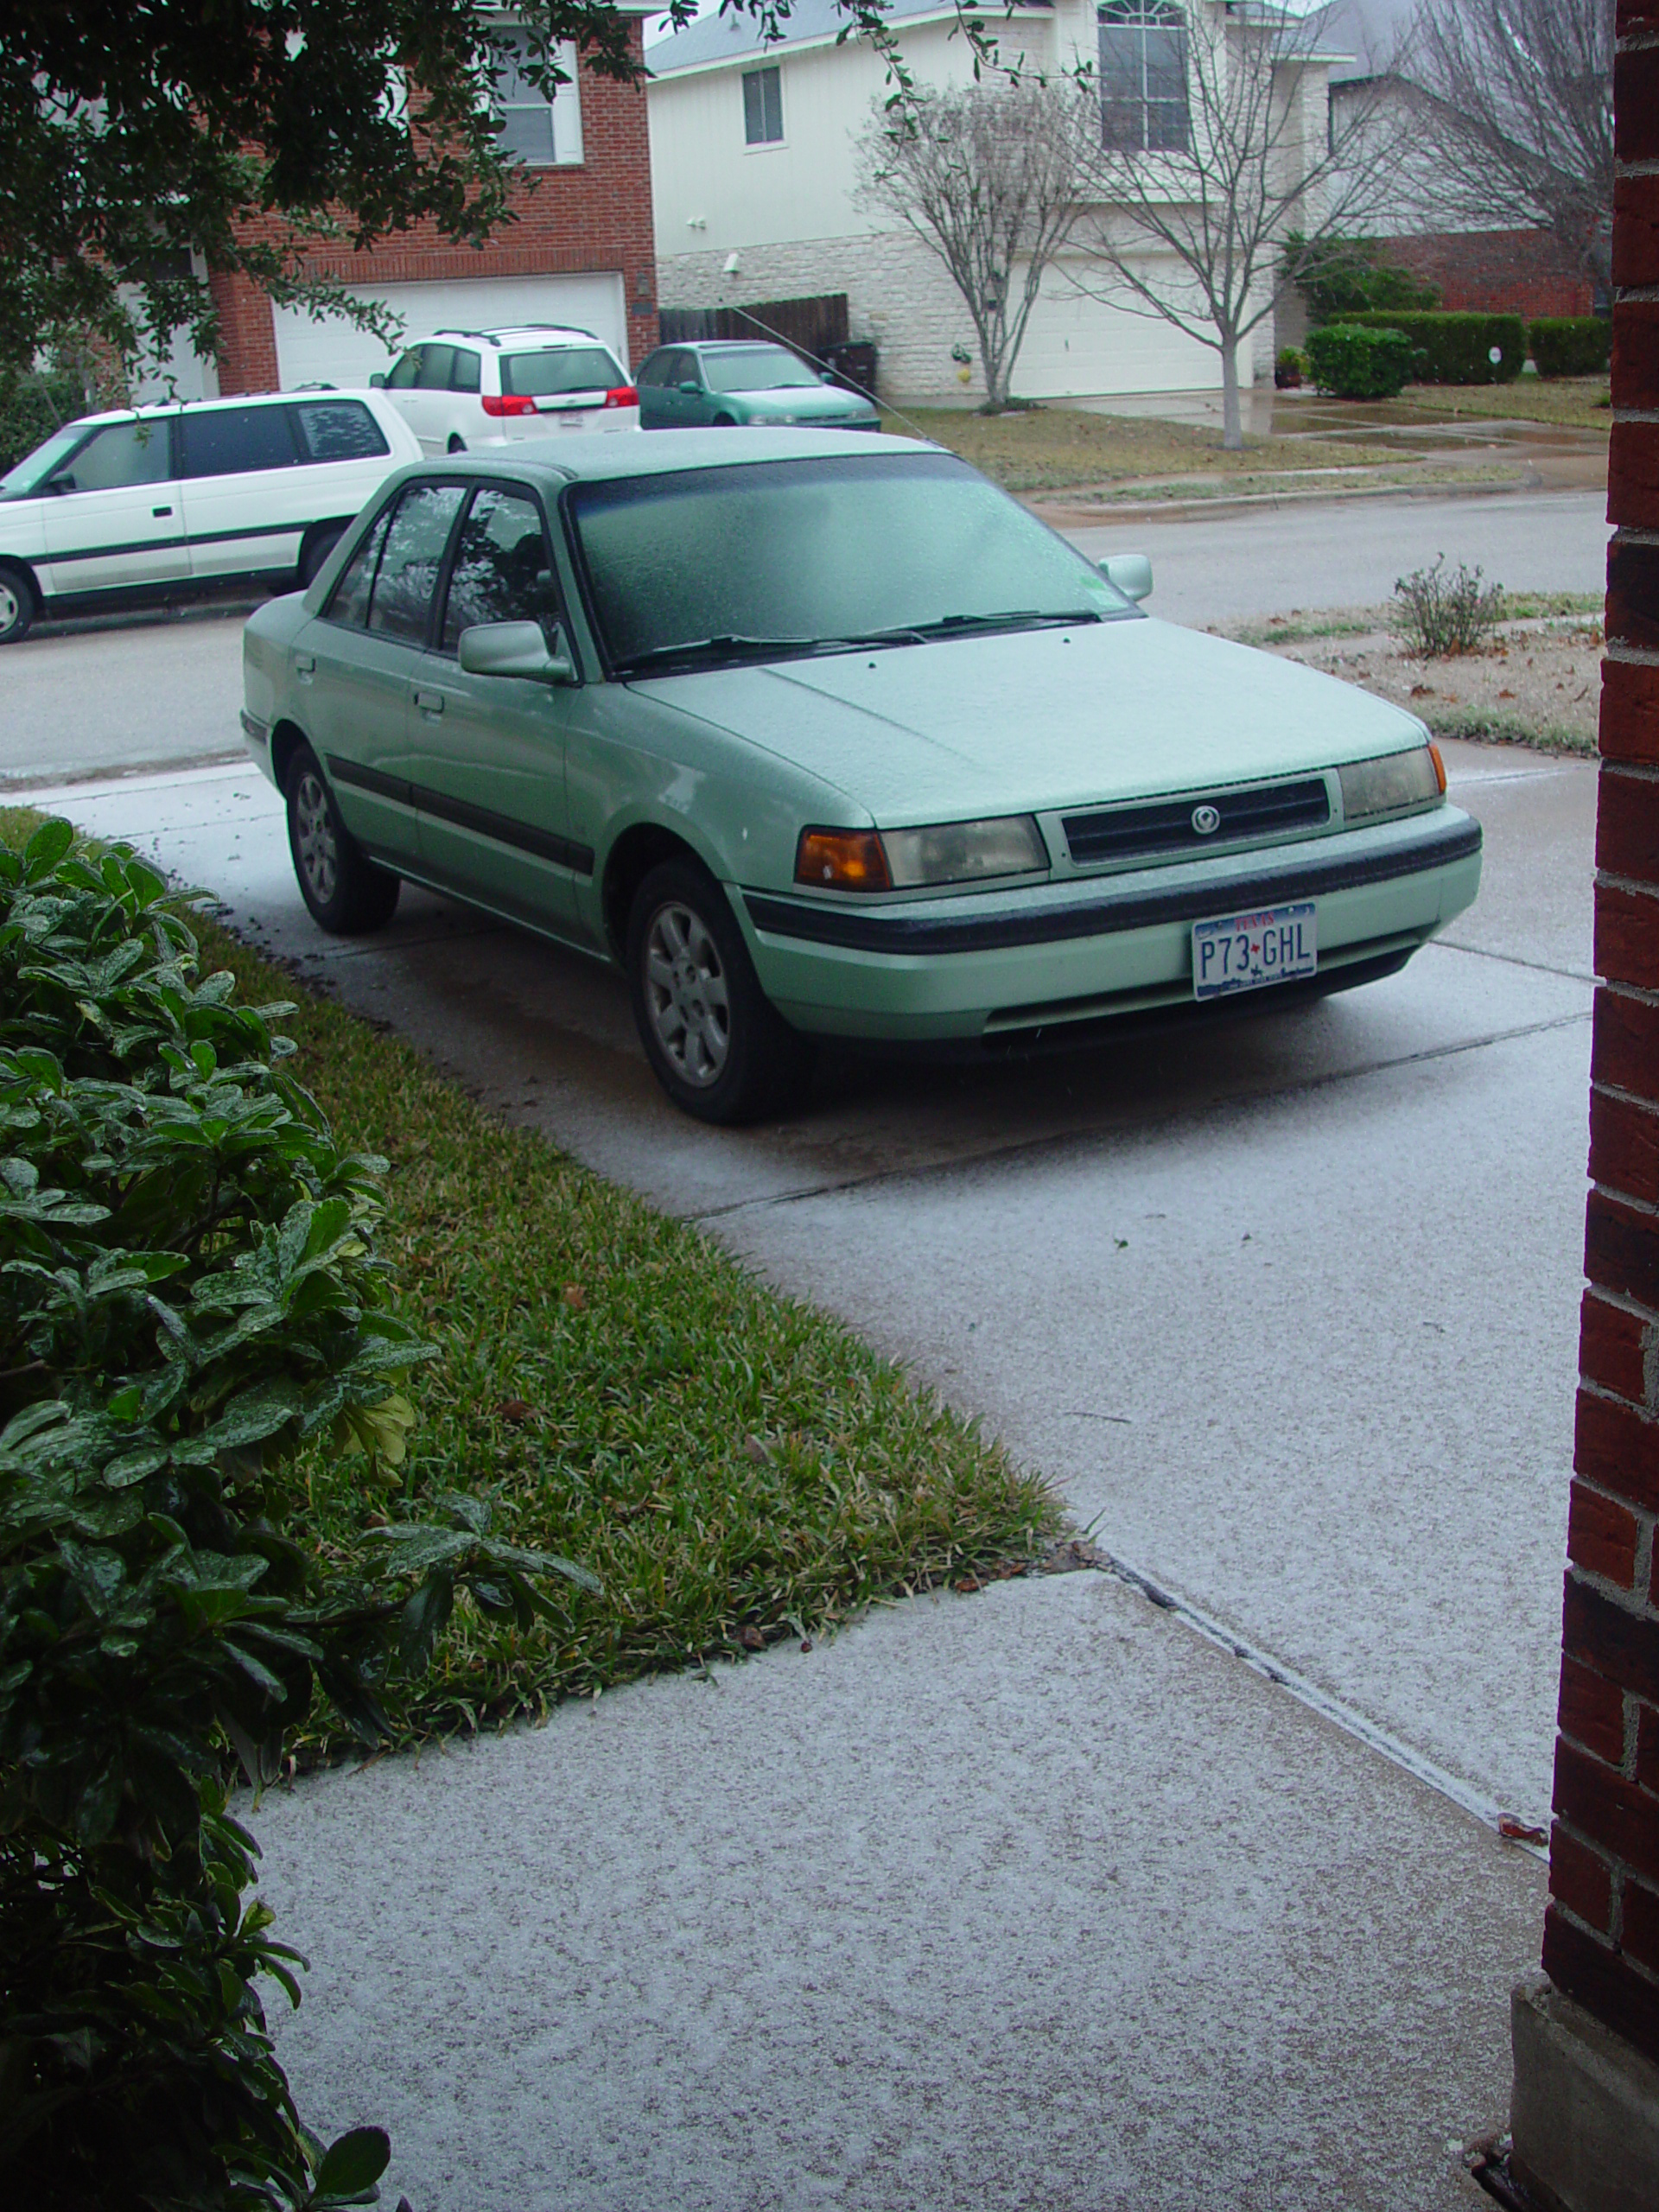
x,y
1126,832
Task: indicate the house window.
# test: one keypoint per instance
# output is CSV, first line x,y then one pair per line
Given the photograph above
x,y
542,133
1143,77
763,106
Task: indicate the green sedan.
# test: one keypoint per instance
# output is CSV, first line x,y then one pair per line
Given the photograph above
x,y
816,742
732,381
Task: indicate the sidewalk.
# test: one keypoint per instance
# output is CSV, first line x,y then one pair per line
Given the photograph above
x,y
1028,1902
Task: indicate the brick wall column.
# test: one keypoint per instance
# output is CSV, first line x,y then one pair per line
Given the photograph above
x,y
247,333
1578,2142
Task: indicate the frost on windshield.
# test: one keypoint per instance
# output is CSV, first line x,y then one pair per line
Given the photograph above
x,y
818,548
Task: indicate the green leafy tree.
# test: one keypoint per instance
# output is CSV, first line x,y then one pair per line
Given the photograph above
x,y
144,140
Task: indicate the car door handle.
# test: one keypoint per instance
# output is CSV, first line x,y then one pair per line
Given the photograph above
x,y
160,510
429,702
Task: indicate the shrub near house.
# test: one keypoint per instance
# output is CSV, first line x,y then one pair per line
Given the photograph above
x,y
1456,348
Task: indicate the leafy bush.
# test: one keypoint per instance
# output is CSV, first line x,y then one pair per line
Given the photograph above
x,y
1340,278
1290,368
1437,615
1456,348
1356,363
32,405
189,1291
1571,345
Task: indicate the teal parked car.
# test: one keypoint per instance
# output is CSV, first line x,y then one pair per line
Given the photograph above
x,y
820,739
723,383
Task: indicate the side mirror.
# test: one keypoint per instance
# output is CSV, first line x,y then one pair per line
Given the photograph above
x,y
690,390
514,649
826,376
1130,572
377,382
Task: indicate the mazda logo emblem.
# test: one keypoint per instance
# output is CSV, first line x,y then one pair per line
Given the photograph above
x,y
1205,821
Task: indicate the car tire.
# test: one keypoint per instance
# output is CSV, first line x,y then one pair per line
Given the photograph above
x,y
16,605
315,551
457,443
725,422
345,892
716,1044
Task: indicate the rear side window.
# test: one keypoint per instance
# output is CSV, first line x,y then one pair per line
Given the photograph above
x,y
561,368
501,572
413,555
338,429
235,441
349,602
463,375
124,452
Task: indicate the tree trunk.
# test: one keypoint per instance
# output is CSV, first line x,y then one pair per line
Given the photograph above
x,y
1232,427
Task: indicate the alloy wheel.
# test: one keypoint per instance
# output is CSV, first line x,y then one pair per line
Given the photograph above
x,y
686,997
314,834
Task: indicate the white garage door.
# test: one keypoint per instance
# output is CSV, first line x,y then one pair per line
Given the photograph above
x,y
335,352
1078,346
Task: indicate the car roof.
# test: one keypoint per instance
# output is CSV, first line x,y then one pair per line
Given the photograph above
x,y
528,334
596,456
157,407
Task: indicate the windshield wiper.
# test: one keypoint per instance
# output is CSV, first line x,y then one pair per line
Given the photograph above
x,y
958,625
730,647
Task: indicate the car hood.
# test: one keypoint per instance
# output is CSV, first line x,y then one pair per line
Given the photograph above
x,y
1033,720
806,402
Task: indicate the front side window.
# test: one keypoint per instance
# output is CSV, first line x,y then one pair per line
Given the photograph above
x,y
405,371
124,453
408,576
501,572
1143,63
435,363
542,133
552,370
763,106
235,440
756,368
338,429
349,600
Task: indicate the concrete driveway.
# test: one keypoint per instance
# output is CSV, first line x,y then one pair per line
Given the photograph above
x,y
1053,1897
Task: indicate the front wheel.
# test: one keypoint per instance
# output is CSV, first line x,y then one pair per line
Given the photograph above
x,y
16,606
717,1045
344,889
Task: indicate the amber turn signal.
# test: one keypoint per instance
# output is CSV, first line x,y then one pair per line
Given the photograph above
x,y
841,860
1440,765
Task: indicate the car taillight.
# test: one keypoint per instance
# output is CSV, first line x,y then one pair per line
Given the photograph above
x,y
509,402
624,396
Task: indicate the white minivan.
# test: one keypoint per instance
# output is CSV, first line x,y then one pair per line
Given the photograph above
x,y
166,500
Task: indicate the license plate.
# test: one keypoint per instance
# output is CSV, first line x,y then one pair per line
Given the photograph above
x,y
1241,952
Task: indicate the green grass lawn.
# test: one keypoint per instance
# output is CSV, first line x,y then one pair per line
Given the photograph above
x,y
733,1466
1574,402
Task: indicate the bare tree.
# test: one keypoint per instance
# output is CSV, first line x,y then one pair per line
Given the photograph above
x,y
987,176
1514,104
1216,176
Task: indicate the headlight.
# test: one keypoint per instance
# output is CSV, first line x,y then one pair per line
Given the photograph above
x,y
1397,780
949,852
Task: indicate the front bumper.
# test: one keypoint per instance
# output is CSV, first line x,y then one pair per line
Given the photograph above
x,y
1002,963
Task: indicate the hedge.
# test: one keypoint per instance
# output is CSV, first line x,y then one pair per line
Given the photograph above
x,y
1456,348
1355,363
1571,345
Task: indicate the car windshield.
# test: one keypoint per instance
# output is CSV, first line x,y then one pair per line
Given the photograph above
x,y
29,474
561,368
756,368
758,560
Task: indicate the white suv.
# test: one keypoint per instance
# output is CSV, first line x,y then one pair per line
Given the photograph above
x,y
164,502
461,389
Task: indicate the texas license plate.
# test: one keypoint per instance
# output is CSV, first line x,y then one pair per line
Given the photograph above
x,y
1241,952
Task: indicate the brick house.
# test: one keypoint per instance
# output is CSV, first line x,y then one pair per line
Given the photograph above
x,y
1586,2108
580,250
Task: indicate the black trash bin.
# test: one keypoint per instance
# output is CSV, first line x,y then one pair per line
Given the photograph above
x,y
852,364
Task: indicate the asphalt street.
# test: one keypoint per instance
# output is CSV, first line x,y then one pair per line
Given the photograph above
x,y
1054,1896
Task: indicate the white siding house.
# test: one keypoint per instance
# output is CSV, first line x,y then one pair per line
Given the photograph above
x,y
755,193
